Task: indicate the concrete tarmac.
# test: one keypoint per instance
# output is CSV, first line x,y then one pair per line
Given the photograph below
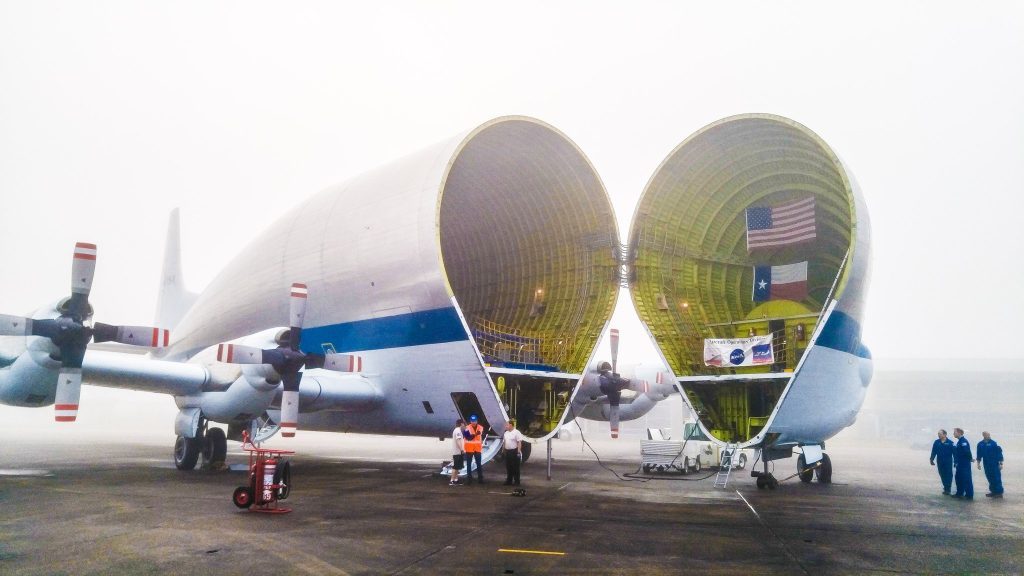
x,y
364,505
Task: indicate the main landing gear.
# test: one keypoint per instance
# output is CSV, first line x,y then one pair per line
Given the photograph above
x,y
211,444
822,469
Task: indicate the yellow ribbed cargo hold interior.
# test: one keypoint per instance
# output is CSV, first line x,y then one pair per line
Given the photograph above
x,y
692,276
529,239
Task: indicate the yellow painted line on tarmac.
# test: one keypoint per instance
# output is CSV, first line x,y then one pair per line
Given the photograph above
x,y
531,552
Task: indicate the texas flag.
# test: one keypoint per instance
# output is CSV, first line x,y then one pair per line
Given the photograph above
x,y
786,282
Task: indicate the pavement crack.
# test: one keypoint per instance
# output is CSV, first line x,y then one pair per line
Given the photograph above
x,y
781,542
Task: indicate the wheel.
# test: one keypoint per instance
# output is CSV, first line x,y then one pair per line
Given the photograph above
x,y
824,472
741,462
696,464
186,452
242,497
805,475
772,483
283,475
527,448
760,482
686,464
215,446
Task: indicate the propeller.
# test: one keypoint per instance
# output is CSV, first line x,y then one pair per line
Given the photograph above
x,y
611,384
71,336
288,360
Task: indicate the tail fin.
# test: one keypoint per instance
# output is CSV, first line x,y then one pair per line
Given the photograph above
x,y
173,300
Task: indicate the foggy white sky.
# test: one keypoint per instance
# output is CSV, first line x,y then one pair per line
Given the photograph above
x,y
112,113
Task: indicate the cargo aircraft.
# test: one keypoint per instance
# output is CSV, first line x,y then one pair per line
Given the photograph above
x,y
476,277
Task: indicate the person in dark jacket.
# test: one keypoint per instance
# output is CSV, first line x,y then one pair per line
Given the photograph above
x,y
942,451
992,455
962,459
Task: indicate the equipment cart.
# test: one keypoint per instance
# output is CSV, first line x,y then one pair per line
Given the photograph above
x,y
270,479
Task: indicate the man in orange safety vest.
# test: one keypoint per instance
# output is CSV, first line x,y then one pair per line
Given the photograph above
x,y
474,435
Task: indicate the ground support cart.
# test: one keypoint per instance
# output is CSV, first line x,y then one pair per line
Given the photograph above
x,y
270,480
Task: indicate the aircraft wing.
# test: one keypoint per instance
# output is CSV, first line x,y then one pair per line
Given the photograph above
x,y
133,372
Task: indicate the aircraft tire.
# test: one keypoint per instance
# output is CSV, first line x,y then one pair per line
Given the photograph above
x,y
186,452
824,472
760,483
215,446
805,475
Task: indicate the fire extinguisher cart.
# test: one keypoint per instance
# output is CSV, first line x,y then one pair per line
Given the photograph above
x,y
269,479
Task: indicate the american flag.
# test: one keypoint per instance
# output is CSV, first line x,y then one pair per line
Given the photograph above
x,y
770,226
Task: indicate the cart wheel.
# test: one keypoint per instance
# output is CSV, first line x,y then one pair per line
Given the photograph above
x,y
242,497
215,446
186,452
696,464
283,475
686,465
742,461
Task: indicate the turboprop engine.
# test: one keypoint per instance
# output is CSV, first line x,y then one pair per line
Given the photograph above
x,y
48,367
606,395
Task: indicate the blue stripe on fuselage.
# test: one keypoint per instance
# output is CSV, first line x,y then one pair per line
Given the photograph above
x,y
842,333
414,329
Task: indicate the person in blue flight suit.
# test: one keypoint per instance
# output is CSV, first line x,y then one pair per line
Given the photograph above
x,y
942,450
962,459
992,455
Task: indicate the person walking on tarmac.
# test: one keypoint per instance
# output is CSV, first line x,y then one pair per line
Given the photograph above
x,y
942,450
992,455
512,443
962,459
474,445
458,452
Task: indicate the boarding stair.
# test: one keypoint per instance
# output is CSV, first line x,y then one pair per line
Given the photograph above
x,y
726,465
491,448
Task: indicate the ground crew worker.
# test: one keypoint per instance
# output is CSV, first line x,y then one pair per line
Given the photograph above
x,y
942,450
512,443
474,447
962,459
992,454
458,451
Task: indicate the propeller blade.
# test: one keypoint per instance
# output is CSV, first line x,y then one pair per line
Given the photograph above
x,y
343,362
83,267
615,348
132,335
297,313
613,420
69,388
15,325
290,404
236,354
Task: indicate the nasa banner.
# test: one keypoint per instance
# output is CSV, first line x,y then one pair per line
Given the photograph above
x,y
735,352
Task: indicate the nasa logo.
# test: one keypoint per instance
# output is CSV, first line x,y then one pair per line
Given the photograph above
x,y
737,356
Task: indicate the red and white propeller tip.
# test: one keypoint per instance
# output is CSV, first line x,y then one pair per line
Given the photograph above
x,y
69,389
238,354
83,267
343,362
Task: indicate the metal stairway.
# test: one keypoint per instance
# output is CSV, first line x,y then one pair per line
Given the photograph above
x,y
725,466
491,448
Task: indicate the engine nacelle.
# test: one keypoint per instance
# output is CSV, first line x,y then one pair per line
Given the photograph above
x,y
28,370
